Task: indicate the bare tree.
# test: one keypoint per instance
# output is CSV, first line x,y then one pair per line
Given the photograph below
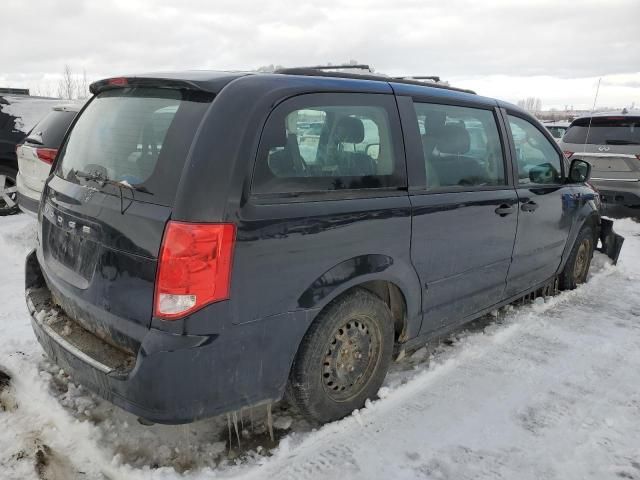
x,y
68,86
531,104
83,86
42,90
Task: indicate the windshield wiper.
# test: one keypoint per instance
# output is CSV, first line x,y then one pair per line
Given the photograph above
x,y
622,142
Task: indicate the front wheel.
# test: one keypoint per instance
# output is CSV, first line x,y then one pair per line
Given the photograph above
x,y
577,267
343,358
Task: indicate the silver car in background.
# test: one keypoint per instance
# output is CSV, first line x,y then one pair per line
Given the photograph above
x,y
610,142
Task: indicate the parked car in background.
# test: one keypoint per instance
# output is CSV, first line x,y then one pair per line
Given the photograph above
x,y
18,114
557,129
37,152
192,261
610,142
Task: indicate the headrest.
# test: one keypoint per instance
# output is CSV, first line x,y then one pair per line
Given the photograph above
x,y
277,136
453,139
434,121
350,130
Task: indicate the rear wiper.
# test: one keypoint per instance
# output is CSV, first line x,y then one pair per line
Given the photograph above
x,y
102,180
622,142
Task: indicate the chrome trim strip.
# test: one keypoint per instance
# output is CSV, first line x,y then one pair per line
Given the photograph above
x,y
72,349
616,179
605,155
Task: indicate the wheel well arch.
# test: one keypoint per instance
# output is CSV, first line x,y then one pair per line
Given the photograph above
x,y
592,220
390,293
395,281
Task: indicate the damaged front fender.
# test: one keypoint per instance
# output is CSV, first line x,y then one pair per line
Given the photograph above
x,y
610,240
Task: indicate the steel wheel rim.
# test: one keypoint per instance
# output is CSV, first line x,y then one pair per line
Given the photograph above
x,y
582,261
351,356
8,193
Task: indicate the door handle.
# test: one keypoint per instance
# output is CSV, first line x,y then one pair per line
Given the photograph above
x,y
504,210
530,206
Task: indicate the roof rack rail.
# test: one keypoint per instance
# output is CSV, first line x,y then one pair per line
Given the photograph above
x,y
359,66
433,78
314,72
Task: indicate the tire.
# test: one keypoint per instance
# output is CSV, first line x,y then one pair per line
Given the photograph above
x,y
577,267
8,191
331,375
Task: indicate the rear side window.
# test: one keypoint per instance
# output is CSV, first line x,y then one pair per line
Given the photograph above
x,y
461,146
134,136
51,129
538,161
604,131
322,142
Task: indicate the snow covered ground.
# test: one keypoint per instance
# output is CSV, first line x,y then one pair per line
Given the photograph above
x,y
544,391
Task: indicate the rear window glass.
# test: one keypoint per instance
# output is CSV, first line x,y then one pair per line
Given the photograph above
x,y
135,137
51,129
605,131
322,142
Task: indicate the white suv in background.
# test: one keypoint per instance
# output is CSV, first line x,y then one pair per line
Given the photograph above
x,y
610,142
37,152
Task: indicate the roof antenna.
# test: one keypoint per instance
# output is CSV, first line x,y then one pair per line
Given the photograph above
x,y
593,109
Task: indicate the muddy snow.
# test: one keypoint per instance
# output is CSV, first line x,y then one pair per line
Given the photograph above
x,y
549,390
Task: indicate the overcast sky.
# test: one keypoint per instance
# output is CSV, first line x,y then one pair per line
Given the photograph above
x,y
555,49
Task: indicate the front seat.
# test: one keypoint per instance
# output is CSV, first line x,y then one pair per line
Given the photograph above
x,y
352,163
451,164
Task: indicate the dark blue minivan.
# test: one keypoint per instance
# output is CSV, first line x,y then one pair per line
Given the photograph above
x,y
210,241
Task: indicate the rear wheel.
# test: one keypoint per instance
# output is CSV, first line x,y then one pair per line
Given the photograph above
x,y
8,191
343,358
577,267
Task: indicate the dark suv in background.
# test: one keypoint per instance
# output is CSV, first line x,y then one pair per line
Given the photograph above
x,y
610,142
210,241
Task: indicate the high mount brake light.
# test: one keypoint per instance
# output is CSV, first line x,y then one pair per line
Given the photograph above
x,y
118,82
194,267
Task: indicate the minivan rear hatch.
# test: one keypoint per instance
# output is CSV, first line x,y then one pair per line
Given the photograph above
x,y
105,208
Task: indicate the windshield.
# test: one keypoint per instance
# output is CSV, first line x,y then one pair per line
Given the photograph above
x,y
135,137
605,131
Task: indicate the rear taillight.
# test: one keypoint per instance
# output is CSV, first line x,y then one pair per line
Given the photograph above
x,y
47,155
567,154
194,267
638,156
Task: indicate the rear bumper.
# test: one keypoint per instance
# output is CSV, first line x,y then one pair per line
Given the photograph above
x,y
618,192
28,199
173,378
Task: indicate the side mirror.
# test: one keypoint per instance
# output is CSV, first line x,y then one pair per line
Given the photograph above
x,y
579,171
